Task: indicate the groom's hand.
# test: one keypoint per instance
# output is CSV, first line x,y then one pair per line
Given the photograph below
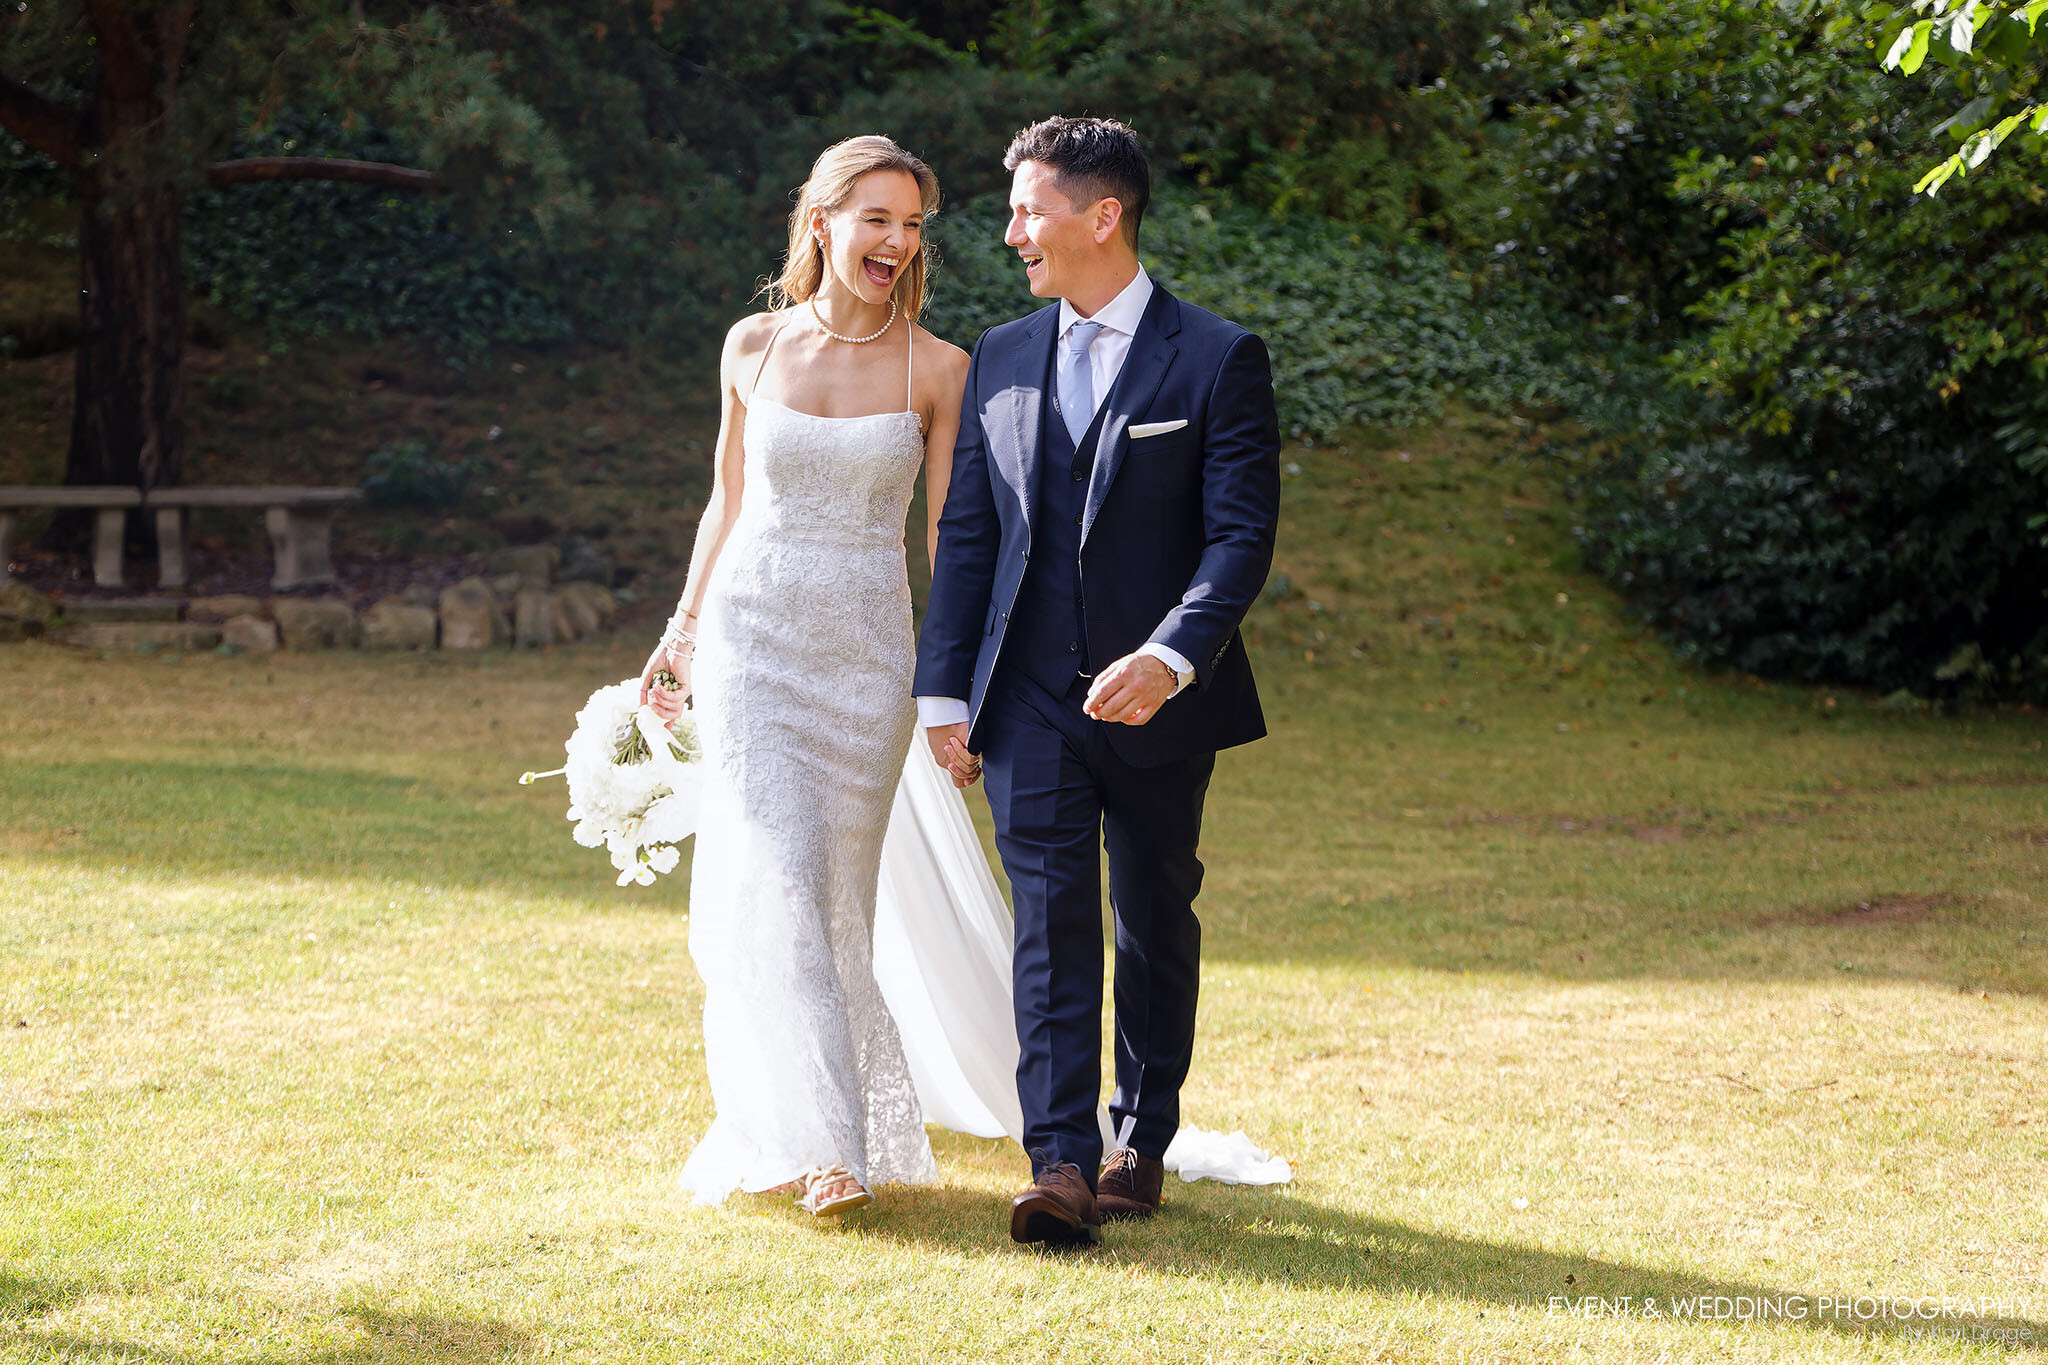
x,y
949,751
1130,691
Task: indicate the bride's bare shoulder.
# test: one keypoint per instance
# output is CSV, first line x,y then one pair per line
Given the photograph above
x,y
941,355
750,334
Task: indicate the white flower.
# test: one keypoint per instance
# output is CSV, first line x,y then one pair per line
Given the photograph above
x,y
632,786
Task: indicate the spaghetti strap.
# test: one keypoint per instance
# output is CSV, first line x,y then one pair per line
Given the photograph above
x,y
766,351
909,377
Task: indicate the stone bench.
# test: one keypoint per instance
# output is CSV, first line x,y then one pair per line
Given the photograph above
x,y
110,506
300,522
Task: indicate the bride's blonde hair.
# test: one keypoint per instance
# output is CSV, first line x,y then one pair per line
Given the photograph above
x,y
830,185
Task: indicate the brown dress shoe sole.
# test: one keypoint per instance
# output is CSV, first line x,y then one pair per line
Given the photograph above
x,y
1037,1217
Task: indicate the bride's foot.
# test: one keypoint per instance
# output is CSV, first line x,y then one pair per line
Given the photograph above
x,y
828,1191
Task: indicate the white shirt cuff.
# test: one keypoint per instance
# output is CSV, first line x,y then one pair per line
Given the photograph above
x,y
936,711
1183,671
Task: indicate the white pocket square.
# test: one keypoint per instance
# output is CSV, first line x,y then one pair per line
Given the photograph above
x,y
1144,429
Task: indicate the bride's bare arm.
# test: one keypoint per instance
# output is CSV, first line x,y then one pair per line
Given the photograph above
x,y
728,479
944,429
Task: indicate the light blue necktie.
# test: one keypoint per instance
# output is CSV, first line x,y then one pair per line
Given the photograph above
x,y
1077,379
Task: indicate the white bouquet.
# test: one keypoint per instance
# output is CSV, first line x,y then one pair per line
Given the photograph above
x,y
632,782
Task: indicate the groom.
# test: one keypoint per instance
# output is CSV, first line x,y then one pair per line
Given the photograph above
x,y
1110,519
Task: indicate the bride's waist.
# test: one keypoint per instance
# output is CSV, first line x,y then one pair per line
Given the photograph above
x,y
767,532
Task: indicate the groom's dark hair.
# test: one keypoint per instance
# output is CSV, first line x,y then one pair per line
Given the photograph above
x,y
1091,159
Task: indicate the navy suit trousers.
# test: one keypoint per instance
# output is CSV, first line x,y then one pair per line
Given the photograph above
x,y
1057,789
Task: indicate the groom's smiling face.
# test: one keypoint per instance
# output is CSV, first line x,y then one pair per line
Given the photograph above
x,y
1059,241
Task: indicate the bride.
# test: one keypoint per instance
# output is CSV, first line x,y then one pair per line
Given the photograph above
x,y
793,635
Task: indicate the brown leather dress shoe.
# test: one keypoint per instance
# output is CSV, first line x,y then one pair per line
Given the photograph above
x,y
1130,1185
1058,1210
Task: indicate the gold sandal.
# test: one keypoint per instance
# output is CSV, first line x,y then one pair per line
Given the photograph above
x,y
816,1181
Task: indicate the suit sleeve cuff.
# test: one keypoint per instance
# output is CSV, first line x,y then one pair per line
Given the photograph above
x,y
1183,671
936,711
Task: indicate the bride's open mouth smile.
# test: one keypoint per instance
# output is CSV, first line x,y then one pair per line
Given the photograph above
x,y
881,269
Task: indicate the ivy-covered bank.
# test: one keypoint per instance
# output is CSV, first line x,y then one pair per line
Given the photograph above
x,y
1362,332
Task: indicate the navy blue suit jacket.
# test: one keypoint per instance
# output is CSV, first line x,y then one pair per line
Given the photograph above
x,y
1177,532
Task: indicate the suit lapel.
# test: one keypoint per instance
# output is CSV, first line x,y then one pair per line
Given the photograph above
x,y
1018,456
1152,352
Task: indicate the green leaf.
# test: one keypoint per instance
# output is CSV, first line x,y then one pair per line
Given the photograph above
x,y
1898,47
1910,45
2006,126
1962,30
1932,182
1967,119
2032,12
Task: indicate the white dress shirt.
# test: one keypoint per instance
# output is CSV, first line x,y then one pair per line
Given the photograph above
x,y
1106,355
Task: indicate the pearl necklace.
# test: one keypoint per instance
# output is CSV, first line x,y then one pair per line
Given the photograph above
x,y
894,304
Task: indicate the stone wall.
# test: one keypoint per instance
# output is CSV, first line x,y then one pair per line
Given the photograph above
x,y
518,605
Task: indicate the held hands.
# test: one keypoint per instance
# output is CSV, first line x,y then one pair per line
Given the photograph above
x,y
667,702
949,751
1130,691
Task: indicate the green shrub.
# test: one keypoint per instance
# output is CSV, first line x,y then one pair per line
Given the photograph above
x,y
404,475
1754,553
1870,366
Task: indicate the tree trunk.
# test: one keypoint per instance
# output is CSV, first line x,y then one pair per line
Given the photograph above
x,y
127,423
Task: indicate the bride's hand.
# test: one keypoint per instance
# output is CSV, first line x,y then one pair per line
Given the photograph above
x,y
667,702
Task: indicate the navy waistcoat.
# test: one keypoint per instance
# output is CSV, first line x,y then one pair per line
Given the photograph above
x,y
1048,626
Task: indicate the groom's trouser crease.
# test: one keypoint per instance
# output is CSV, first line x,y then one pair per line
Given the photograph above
x,y
1066,793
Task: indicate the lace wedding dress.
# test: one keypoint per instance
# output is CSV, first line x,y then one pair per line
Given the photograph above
x,y
802,695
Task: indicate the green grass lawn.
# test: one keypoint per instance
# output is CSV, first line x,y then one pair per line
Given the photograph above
x,y
1566,978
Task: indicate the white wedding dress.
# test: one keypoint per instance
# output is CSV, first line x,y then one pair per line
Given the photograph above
x,y
802,685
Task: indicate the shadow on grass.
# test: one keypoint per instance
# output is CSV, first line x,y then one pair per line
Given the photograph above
x,y
24,1298
1265,1236
384,1339
293,822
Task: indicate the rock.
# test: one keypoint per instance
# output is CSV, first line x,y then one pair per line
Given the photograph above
x,y
581,563
250,631
506,585
17,626
533,620
535,565
90,611
20,599
471,617
422,595
314,622
121,637
395,623
573,616
598,599
224,608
